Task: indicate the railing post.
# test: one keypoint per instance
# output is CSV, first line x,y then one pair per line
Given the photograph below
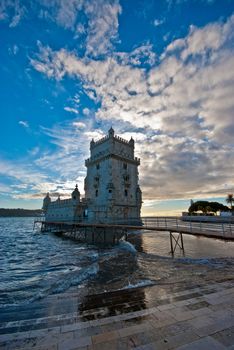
x,y
166,222
172,250
182,241
177,223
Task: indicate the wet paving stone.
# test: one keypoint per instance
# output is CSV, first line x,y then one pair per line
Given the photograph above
x,y
226,337
198,305
157,322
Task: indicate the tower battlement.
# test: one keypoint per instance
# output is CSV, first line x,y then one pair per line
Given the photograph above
x,y
111,136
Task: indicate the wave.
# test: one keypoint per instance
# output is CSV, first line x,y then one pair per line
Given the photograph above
x,y
65,281
143,283
83,275
124,245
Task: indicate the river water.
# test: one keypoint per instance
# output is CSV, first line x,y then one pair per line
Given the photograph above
x,y
35,266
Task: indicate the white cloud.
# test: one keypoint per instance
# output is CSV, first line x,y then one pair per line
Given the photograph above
x,y
12,11
86,111
201,41
79,125
102,25
181,110
13,50
143,54
71,110
24,123
24,174
158,22
96,21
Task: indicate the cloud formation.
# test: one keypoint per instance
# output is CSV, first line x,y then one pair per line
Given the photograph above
x,y
96,22
180,108
12,12
99,23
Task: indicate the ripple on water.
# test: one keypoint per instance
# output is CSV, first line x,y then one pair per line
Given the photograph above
x,y
35,265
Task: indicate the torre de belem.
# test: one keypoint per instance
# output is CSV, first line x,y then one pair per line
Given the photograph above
x,y
111,186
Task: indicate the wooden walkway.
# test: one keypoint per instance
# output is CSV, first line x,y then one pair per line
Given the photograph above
x,y
113,232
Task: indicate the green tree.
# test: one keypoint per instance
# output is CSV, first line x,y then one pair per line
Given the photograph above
x,y
208,209
205,206
230,200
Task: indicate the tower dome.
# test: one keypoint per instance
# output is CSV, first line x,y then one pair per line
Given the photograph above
x,y
76,194
46,202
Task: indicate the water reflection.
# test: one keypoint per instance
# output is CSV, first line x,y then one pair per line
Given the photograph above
x,y
112,303
195,246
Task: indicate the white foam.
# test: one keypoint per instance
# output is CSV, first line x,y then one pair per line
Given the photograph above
x,y
143,283
124,245
65,282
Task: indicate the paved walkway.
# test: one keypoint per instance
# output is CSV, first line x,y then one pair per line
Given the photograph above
x,y
196,318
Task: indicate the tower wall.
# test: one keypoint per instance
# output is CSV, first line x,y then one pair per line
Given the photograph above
x,y
111,184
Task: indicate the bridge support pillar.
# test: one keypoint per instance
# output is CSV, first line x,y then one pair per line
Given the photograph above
x,y
176,241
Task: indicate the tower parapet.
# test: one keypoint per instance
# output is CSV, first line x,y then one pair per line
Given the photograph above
x,y
114,146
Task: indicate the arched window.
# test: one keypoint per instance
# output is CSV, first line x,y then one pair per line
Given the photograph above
x,y
96,193
126,193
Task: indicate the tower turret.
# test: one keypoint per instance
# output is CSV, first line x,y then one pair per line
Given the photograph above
x,y
111,132
46,202
76,194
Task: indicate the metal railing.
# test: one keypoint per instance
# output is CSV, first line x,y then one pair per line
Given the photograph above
x,y
209,228
176,224
166,223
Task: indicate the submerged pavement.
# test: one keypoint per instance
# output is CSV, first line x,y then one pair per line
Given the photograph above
x,y
185,317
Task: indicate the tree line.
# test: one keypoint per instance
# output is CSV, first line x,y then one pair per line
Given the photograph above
x,y
19,212
211,207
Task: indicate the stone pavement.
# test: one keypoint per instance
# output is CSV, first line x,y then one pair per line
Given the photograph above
x,y
195,318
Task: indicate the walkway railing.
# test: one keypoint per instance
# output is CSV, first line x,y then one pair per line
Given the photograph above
x,y
171,224
175,224
223,229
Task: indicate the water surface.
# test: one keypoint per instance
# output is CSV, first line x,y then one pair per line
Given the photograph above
x,y
36,266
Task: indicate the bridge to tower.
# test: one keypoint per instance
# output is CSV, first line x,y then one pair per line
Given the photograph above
x,y
119,229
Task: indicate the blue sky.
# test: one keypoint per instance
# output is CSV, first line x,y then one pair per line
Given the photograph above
x,y
160,71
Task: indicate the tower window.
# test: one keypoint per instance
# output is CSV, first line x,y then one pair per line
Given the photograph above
x,y
125,166
110,191
126,177
126,193
96,193
98,166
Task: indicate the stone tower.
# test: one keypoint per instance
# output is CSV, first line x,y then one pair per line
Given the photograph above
x,y
112,191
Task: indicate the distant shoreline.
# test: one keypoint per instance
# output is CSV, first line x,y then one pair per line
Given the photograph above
x,y
19,212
